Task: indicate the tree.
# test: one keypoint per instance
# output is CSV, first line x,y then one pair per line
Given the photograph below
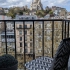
x,y
20,13
51,13
40,13
11,13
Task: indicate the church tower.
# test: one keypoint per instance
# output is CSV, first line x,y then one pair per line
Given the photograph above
x,y
36,5
35,0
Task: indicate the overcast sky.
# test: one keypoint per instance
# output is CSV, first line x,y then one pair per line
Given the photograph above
x,y
60,3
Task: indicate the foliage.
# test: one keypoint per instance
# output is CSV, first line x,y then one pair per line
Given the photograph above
x,y
50,12
11,13
20,12
40,13
7,61
17,10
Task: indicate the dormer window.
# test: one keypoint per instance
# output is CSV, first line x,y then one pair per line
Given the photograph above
x,y
32,17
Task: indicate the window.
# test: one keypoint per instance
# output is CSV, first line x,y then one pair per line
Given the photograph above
x,y
39,26
20,26
32,17
25,38
20,38
20,50
30,32
20,32
8,36
26,50
9,44
30,39
4,50
20,44
31,50
30,26
25,26
30,44
3,44
45,25
11,36
21,18
25,44
3,36
26,32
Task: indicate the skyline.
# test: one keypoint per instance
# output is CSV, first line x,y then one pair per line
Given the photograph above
x,y
11,3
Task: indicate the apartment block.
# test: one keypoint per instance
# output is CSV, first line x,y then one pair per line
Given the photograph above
x,y
20,36
59,11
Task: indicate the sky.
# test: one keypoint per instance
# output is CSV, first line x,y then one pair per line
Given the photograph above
x,y
59,3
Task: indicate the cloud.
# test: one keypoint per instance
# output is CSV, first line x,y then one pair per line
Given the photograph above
x,y
28,0
11,3
59,3
52,2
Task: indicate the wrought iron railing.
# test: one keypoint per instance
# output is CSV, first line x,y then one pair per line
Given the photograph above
x,y
65,33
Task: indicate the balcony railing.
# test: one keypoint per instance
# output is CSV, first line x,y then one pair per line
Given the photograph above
x,y
8,40
50,31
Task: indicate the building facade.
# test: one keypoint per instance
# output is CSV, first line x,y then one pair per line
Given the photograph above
x,y
20,37
58,11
